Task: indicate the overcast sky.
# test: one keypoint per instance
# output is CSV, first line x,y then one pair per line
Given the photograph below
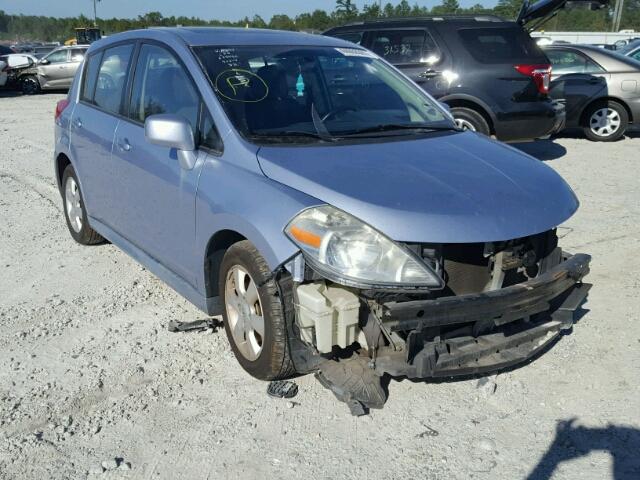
x,y
207,9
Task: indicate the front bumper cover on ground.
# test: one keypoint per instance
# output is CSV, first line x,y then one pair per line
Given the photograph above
x,y
497,329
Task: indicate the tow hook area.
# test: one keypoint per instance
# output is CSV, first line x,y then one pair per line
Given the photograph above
x,y
354,382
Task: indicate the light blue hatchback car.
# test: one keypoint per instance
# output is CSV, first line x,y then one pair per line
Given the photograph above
x,y
321,202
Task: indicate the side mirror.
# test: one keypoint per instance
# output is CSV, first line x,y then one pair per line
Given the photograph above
x,y
445,106
44,61
172,131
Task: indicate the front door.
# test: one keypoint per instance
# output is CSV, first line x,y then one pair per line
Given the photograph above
x,y
53,71
157,197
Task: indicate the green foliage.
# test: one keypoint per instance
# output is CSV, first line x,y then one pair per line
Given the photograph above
x,y
31,27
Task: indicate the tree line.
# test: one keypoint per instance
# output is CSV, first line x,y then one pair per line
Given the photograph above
x,y
43,28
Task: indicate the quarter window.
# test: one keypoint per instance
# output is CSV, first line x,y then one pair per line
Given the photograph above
x,y
112,76
565,61
162,86
90,76
405,46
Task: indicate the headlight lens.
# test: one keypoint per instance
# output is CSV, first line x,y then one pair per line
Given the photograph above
x,y
348,251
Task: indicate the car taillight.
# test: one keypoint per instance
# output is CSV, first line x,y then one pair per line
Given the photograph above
x,y
540,73
60,106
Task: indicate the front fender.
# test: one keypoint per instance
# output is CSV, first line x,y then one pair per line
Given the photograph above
x,y
246,202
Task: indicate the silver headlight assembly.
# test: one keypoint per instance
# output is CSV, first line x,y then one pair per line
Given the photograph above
x,y
350,252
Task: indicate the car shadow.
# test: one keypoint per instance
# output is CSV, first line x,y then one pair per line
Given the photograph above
x,y
571,442
544,150
8,93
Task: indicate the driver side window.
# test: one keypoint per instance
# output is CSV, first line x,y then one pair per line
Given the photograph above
x,y
59,56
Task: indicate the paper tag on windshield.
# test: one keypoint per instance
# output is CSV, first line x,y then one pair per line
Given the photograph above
x,y
355,52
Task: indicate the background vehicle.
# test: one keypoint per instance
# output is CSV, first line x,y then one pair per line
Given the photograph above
x,y
632,50
54,71
14,64
340,197
487,70
85,36
598,88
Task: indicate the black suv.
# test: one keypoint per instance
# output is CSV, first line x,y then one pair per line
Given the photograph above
x,y
489,71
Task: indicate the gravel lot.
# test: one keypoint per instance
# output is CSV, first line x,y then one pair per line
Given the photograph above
x,y
92,385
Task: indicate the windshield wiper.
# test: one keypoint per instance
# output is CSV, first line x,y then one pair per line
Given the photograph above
x,y
390,127
290,133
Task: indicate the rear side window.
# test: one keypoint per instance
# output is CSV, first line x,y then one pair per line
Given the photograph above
x,y
353,37
77,54
161,85
501,45
90,76
112,77
405,46
566,61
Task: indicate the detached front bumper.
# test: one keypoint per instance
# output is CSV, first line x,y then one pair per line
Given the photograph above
x,y
486,331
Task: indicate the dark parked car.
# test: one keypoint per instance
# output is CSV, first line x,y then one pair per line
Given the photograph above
x,y
598,87
631,49
4,50
488,70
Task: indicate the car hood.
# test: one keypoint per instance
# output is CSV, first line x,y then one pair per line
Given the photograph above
x,y
447,188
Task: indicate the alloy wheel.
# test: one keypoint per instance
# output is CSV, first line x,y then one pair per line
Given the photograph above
x,y
463,124
73,204
605,122
244,312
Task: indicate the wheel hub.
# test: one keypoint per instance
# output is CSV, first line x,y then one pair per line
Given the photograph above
x,y
605,122
244,312
463,124
73,205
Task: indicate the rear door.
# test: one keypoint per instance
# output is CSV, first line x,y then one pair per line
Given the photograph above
x,y
93,126
415,52
577,80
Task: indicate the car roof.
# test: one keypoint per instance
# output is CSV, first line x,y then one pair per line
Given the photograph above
x,y
222,36
441,19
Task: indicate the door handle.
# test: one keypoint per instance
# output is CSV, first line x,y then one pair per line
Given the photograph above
x,y
124,145
429,74
77,123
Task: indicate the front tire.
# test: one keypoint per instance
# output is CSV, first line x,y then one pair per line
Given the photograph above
x,y
74,211
253,314
30,85
605,121
468,119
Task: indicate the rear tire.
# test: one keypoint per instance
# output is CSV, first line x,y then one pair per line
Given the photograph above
x,y
469,119
253,315
30,85
74,211
605,121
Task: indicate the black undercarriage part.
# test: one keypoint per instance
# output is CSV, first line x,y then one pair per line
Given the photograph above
x,y
207,323
354,382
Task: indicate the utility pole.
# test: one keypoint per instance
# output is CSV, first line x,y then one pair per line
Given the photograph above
x,y
617,16
95,13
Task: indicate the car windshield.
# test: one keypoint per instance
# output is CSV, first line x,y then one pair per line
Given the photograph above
x,y
304,94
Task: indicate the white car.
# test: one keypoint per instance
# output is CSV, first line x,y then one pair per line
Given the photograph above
x,y
14,60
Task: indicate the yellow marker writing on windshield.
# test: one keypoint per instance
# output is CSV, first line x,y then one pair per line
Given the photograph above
x,y
237,81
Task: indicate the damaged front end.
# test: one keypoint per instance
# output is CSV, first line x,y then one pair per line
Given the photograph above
x,y
495,305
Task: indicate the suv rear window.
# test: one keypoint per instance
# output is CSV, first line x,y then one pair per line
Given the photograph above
x,y
501,45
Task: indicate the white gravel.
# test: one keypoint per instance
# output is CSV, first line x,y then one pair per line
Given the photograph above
x,y
90,380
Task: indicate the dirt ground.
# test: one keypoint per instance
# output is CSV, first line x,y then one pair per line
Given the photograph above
x,y
92,385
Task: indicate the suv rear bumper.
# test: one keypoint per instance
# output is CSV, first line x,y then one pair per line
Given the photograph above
x,y
529,121
498,328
